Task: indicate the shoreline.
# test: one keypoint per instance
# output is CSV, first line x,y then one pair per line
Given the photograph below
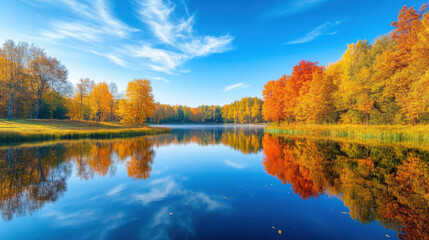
x,y
20,131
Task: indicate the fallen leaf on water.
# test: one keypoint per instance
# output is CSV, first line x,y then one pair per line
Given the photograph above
x,y
387,235
280,232
225,197
273,227
171,213
344,212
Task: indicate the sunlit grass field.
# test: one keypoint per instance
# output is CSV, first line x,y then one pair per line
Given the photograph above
x,y
418,134
34,130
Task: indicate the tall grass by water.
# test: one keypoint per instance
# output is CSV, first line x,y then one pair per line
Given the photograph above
x,y
418,134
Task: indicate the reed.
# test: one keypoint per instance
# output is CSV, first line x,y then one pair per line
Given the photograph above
x,y
418,134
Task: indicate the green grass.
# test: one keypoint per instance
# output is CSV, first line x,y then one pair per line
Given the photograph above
x,y
418,134
41,130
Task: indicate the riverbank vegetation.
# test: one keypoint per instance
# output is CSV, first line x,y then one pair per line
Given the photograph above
x,y
383,83
37,130
402,134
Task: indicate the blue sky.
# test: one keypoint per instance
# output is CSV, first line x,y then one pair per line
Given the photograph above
x,y
195,51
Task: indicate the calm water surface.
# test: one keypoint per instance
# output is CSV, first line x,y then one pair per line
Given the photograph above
x,y
213,182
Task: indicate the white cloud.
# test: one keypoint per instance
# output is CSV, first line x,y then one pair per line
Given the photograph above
x,y
71,218
169,187
163,43
315,33
159,79
233,164
115,190
293,7
235,86
116,60
177,37
95,21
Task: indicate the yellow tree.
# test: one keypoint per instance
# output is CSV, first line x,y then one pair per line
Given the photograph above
x,y
100,99
14,68
84,87
317,105
73,107
138,104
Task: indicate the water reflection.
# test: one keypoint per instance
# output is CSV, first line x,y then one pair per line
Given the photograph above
x,y
33,176
376,183
385,184
29,178
244,139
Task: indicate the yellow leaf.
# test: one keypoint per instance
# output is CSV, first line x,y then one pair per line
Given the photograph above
x,y
280,232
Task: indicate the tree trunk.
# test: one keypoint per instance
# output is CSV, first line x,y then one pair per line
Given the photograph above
x,y
10,105
39,164
81,106
39,102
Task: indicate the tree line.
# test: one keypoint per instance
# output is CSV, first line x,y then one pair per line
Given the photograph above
x,y
34,85
103,102
381,83
246,110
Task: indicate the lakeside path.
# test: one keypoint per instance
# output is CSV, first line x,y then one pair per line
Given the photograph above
x,y
41,130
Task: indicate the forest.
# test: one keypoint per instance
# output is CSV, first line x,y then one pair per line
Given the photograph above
x,y
35,86
385,82
246,110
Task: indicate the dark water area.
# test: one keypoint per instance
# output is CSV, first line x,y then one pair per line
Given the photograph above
x,y
213,182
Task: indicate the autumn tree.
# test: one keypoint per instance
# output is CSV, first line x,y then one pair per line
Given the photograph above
x,y
100,101
46,72
298,85
273,93
138,104
14,71
84,88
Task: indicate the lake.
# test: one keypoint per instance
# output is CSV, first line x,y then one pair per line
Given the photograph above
x,y
213,182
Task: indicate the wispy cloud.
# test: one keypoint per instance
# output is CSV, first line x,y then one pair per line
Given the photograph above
x,y
115,190
162,41
159,79
293,7
235,86
315,33
95,21
234,165
177,38
116,60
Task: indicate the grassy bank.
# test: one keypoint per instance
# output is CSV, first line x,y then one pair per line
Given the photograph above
x,y
41,130
382,133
